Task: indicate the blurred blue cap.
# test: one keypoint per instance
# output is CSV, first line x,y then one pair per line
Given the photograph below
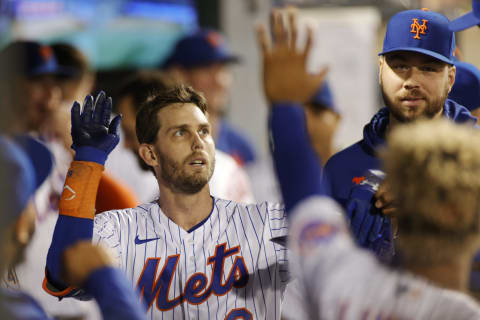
x,y
30,58
324,97
466,89
25,164
468,20
420,31
201,48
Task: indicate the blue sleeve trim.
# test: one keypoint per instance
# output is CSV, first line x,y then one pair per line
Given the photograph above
x,y
114,295
87,153
297,165
68,230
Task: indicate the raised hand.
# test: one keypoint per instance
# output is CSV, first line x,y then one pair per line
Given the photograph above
x,y
285,76
94,135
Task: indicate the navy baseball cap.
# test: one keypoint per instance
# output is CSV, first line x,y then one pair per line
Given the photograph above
x,y
420,31
468,20
201,48
466,89
324,97
25,164
30,58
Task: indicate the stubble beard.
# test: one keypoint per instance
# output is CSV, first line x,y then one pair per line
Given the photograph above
x,y
176,177
432,108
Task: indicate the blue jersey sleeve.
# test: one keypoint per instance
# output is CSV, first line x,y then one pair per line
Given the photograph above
x,y
114,295
296,163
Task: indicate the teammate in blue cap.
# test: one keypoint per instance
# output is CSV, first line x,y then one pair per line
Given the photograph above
x,y
26,163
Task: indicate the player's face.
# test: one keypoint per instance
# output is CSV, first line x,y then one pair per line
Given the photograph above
x,y
214,82
184,148
414,85
42,97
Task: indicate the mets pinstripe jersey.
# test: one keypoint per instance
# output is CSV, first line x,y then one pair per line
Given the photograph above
x,y
233,265
338,280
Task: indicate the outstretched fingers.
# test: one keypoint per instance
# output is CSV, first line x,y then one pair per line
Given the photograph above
x,y
115,125
99,108
86,115
263,40
75,115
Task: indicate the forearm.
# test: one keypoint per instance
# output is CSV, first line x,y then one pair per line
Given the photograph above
x,y
124,304
296,163
76,213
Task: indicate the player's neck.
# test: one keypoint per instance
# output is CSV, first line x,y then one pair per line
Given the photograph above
x,y
453,275
186,210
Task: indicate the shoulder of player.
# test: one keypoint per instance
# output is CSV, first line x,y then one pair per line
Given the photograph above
x,y
121,214
258,210
344,157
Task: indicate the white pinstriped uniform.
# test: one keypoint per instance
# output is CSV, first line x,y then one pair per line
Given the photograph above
x,y
244,231
338,280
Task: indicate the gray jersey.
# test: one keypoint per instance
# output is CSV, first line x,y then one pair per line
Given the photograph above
x,y
338,280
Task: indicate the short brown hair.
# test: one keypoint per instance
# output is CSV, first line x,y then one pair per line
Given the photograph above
x,y
433,168
147,123
142,85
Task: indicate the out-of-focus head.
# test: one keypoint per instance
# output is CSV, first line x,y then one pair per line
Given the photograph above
x,y
416,67
468,20
28,84
322,118
433,168
25,164
135,91
78,80
201,60
466,90
175,139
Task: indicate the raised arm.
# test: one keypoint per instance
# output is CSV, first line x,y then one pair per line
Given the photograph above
x,y
94,137
288,86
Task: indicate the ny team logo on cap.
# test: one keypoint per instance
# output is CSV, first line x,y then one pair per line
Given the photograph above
x,y
417,28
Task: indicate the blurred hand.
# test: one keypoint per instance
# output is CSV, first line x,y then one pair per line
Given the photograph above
x,y
285,76
384,200
81,259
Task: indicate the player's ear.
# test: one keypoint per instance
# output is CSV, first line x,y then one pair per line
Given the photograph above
x,y
452,71
148,155
381,61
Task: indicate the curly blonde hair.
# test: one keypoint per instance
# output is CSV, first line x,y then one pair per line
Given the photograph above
x,y
433,168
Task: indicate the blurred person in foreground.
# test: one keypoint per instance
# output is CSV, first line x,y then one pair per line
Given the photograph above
x,y
203,60
31,97
229,180
433,167
26,163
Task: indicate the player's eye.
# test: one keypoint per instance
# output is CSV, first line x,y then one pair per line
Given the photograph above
x,y
205,131
400,67
179,133
428,69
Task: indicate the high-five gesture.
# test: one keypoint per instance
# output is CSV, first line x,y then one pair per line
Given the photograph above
x,y
285,76
94,135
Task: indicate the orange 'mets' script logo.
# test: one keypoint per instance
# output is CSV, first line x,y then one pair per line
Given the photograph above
x,y
417,28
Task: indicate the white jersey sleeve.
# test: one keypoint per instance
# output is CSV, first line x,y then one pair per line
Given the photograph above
x,y
341,281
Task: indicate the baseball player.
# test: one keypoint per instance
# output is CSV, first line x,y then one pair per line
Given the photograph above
x,y
338,280
416,73
189,255
26,163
